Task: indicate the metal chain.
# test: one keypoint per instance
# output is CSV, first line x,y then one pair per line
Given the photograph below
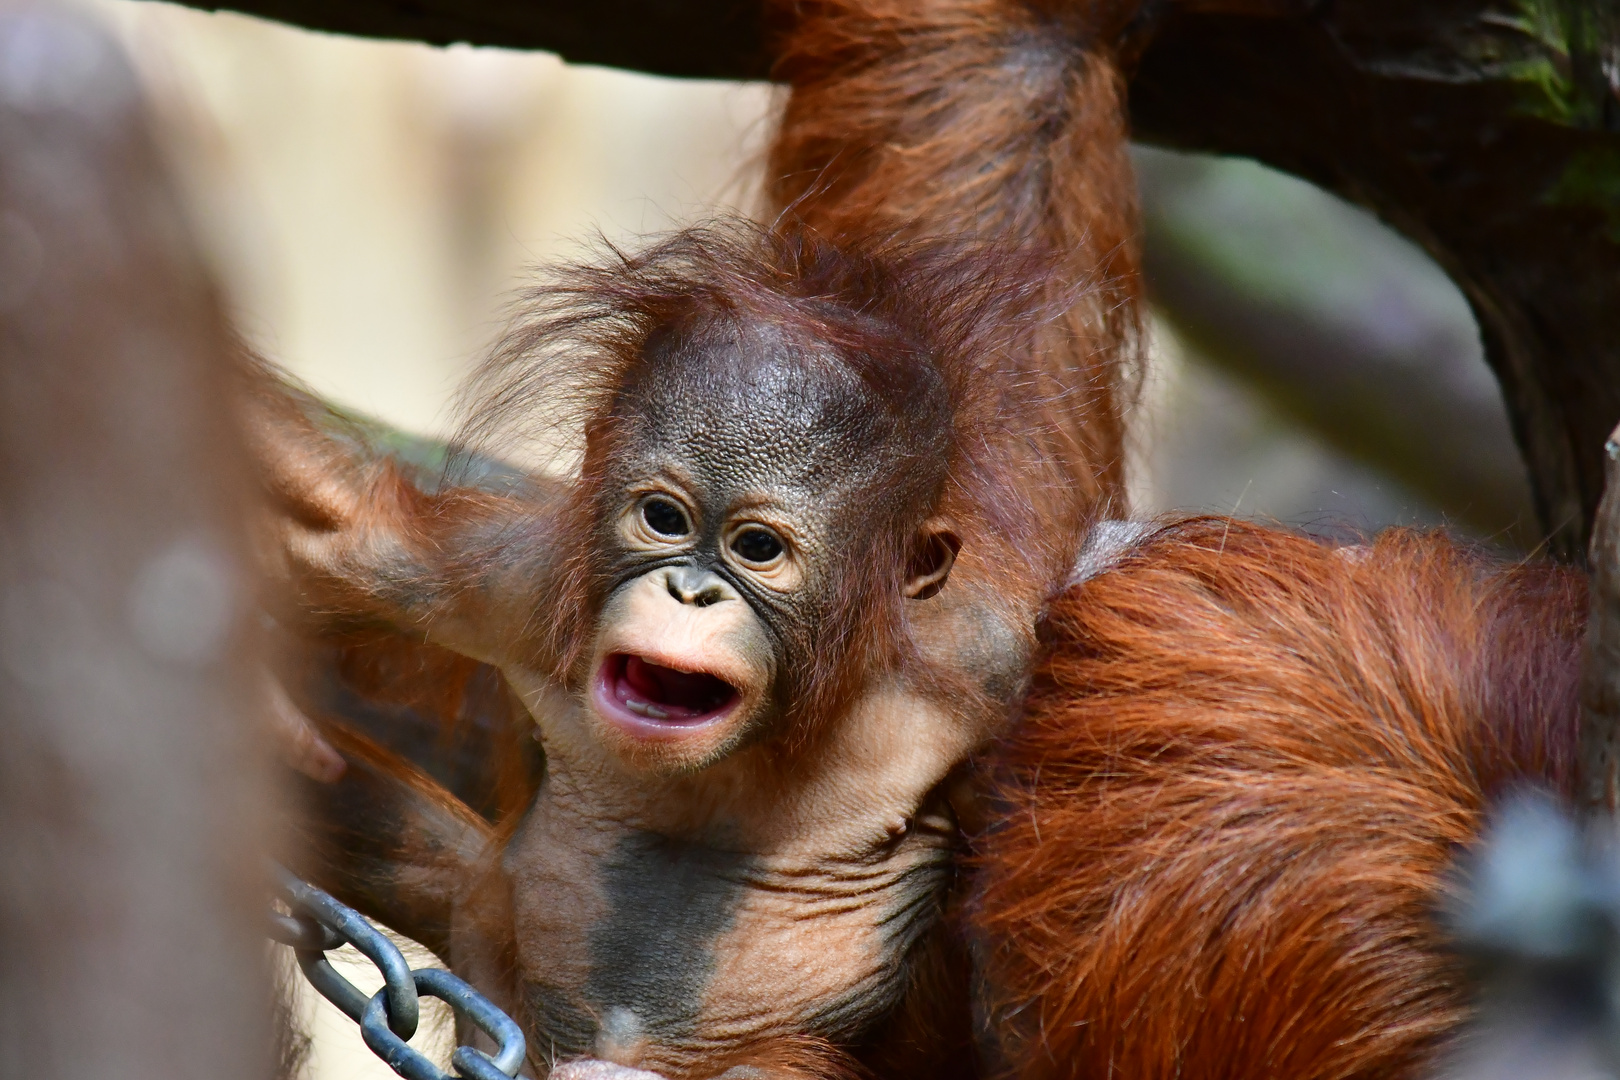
x,y
318,923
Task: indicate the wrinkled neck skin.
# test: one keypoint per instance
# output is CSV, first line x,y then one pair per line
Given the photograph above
x,y
671,923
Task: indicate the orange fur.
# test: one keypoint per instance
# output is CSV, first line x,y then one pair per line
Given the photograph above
x,y
1000,121
794,1057
451,715
1247,761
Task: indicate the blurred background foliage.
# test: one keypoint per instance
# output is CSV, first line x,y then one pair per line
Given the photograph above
x,y
1330,375
372,206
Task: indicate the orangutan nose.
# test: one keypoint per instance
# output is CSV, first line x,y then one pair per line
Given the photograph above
x,y
700,588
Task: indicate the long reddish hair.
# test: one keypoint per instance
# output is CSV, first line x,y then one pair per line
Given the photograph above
x,y
1001,121
1247,760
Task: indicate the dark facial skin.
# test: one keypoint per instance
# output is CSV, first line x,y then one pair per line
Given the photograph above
x,y
687,881
741,487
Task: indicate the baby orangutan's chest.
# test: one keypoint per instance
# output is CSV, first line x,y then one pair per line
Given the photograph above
x,y
676,957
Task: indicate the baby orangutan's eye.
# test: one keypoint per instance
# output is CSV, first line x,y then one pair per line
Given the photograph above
x,y
665,518
756,545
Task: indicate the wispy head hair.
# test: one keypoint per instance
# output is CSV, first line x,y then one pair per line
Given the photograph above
x,y
939,333
884,308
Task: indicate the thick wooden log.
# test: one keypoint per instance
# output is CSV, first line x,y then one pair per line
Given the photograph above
x,y
703,39
1489,133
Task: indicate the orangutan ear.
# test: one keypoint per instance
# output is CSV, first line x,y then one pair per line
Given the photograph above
x,y
932,559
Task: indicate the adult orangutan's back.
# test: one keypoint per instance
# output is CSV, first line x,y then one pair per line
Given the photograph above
x,y
1247,761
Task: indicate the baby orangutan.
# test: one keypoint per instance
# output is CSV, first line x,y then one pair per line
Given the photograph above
x,y
732,633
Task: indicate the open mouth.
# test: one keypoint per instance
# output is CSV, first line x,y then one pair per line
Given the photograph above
x,y
652,693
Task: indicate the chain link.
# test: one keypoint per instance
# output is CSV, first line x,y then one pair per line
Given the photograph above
x,y
318,924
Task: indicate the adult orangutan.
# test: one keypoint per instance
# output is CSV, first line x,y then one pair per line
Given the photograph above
x,y
1244,768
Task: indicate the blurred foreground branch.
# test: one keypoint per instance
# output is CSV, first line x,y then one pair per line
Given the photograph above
x,y
131,796
1539,923
1539,911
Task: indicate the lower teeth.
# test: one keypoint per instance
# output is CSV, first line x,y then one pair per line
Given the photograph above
x,y
642,708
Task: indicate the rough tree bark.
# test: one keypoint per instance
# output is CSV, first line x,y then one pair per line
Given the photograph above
x,y
131,788
1598,776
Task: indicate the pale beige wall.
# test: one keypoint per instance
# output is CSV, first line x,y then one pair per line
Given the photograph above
x,y
370,204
